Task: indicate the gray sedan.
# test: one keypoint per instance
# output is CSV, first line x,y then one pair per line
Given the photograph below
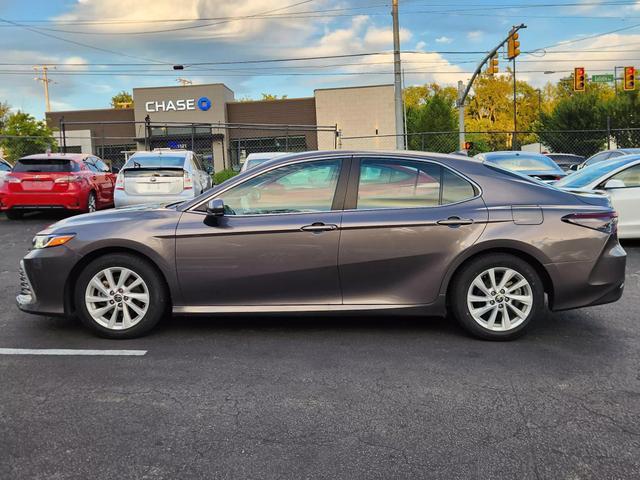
x,y
398,232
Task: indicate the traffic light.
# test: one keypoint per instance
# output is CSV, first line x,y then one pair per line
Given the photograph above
x,y
629,78
513,46
579,82
493,66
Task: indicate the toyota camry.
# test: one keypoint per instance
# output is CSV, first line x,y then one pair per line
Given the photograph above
x,y
359,232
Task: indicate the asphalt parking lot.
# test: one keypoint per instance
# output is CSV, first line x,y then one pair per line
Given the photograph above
x,y
272,397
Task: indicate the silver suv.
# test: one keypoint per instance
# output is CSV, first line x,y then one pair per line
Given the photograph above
x,y
161,176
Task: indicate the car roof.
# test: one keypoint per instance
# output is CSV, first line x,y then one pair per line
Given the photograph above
x,y
168,152
511,153
265,155
629,150
77,157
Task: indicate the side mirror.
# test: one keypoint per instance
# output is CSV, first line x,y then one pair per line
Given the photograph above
x,y
614,183
215,207
574,167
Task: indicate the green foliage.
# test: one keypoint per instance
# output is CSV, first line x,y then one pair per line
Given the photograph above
x,y
624,110
271,96
5,109
25,136
431,110
585,111
121,100
223,175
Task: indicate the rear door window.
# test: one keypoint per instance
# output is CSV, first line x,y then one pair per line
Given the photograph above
x,y
395,183
49,165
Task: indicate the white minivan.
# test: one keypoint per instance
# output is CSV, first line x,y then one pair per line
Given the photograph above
x,y
161,176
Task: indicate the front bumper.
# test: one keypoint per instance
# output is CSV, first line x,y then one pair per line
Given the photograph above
x,y
123,199
43,278
38,201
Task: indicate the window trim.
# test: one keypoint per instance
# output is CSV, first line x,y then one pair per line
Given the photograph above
x,y
338,196
351,202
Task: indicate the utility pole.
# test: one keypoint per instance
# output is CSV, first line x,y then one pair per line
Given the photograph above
x,y
514,140
397,73
461,130
45,80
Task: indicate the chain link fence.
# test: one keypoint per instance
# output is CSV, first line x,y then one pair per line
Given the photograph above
x,y
221,146
578,142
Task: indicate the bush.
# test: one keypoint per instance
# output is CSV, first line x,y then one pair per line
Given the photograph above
x,y
223,176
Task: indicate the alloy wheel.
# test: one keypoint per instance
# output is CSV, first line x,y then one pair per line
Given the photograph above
x,y
500,299
117,298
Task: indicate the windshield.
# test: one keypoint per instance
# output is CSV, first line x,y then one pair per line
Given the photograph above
x,y
521,163
49,165
4,167
589,174
153,161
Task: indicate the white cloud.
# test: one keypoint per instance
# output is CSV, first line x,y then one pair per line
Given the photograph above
x,y
420,45
444,39
475,34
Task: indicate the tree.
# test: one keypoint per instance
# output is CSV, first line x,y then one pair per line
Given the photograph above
x,y
624,111
431,118
25,136
121,100
271,96
586,112
5,109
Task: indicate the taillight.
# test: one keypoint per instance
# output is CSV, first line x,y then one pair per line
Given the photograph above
x,y
188,181
606,222
67,179
120,182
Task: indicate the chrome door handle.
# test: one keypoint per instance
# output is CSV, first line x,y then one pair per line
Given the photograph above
x,y
319,227
455,221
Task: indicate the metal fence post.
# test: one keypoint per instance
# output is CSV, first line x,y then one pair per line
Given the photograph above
x,y
193,134
422,139
608,132
63,132
147,131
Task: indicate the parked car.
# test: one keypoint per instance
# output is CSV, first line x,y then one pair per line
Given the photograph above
x,y
566,161
255,159
620,178
161,176
71,181
5,168
400,232
527,163
608,155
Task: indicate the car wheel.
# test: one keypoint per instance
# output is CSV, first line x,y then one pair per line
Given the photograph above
x,y
495,297
91,202
14,215
120,296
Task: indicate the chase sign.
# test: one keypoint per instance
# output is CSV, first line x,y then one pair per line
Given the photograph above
x,y
182,105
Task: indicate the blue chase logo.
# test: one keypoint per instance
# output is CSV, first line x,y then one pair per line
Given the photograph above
x,y
204,104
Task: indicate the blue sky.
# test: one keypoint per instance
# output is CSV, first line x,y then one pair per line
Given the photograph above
x,y
117,32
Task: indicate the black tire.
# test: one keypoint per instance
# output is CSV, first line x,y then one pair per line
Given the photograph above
x,y
158,297
14,214
92,197
470,271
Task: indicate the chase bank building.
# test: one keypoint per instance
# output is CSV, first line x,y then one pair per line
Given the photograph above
x,y
208,119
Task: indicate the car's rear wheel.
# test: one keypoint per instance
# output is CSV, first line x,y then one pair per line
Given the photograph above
x,y
14,215
497,296
120,296
91,202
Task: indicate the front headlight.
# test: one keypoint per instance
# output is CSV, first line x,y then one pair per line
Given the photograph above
x,y
52,240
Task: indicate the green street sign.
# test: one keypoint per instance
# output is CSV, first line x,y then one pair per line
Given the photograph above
x,y
605,78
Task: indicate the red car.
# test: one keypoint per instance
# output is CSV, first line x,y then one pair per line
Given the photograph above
x,y
76,182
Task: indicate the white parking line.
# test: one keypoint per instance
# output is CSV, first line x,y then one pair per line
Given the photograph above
x,y
69,351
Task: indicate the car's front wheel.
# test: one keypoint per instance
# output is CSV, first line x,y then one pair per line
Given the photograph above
x,y
496,296
120,296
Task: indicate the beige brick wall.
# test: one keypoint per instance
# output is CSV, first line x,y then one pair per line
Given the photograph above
x,y
358,111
